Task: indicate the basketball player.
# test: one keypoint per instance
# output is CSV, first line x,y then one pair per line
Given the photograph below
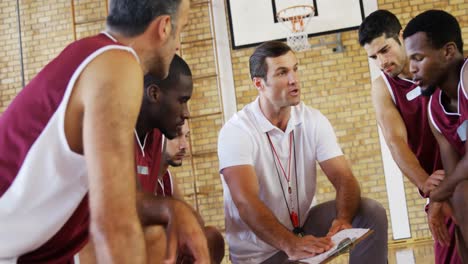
x,y
435,47
67,164
402,114
173,154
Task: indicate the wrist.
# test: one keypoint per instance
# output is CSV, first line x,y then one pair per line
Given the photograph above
x,y
344,219
422,190
289,244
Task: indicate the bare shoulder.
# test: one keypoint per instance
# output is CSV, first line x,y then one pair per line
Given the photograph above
x,y
380,93
113,66
379,87
113,77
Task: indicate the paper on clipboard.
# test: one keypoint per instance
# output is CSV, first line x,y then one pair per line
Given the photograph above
x,y
355,234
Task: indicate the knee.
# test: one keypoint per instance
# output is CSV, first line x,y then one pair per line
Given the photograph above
x,y
215,243
213,234
155,238
372,209
155,233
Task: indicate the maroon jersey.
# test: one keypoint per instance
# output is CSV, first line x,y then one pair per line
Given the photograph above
x,y
44,214
165,185
413,111
445,122
148,160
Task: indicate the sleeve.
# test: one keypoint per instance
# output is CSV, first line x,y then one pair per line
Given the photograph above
x,y
234,147
325,140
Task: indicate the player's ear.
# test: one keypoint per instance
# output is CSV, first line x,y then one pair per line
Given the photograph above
x,y
161,27
400,36
153,93
450,50
258,83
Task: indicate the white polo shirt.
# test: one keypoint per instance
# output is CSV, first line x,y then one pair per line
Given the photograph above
x,y
243,141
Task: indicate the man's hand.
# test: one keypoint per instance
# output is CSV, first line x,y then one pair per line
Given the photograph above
x,y
338,225
436,218
442,193
308,246
432,182
185,234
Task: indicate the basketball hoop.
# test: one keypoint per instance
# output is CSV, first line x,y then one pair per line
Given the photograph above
x,y
296,18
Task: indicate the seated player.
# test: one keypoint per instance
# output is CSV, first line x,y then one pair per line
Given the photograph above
x,y
173,154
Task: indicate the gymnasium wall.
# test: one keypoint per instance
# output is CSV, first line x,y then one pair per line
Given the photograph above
x,y
338,84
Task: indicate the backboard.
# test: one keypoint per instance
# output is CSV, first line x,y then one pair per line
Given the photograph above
x,y
254,21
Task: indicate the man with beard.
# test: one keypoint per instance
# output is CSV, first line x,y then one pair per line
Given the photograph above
x,y
435,48
173,155
401,113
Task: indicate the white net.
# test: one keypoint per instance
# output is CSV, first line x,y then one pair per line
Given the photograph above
x,y
298,41
295,19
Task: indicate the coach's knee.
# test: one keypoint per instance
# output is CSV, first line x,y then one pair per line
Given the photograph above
x,y
373,210
373,207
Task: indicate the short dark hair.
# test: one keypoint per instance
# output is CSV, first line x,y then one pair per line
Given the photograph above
x,y
132,17
178,67
440,28
378,23
269,49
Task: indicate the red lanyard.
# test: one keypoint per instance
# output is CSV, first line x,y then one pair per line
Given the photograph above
x,y
287,176
292,214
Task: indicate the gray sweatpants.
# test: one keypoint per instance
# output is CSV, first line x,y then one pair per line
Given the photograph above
x,y
372,250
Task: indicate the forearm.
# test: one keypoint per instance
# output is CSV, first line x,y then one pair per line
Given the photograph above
x,y
407,162
265,225
459,173
118,241
348,198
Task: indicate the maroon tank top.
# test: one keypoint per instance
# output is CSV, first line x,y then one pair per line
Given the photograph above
x,y
51,83
446,122
148,161
414,115
165,185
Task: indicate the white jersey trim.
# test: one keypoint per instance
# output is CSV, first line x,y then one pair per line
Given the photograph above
x,y
461,86
429,110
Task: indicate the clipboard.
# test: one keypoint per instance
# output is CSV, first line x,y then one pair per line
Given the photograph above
x,y
344,241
